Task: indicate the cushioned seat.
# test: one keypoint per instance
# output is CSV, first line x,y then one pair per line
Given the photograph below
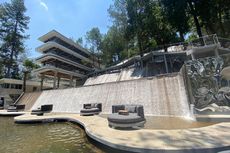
x,y
91,109
134,118
126,119
43,109
15,108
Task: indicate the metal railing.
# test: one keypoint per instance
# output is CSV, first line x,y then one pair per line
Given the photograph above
x,y
183,46
205,41
199,42
173,47
17,100
224,42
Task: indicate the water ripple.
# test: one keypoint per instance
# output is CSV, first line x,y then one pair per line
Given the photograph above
x,y
43,138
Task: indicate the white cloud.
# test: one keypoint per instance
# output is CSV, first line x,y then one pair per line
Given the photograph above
x,y
43,4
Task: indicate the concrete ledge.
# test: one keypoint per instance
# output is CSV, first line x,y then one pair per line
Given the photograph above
x,y
5,113
206,139
213,118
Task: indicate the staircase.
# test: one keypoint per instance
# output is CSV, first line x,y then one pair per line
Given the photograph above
x,y
29,99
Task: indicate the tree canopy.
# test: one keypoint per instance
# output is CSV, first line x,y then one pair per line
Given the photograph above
x,y
13,23
138,26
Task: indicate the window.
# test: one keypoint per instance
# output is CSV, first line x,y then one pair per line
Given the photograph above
x,y
2,85
6,85
18,86
13,86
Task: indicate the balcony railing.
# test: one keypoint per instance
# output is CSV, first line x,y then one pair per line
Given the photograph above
x,y
63,68
224,42
205,41
199,42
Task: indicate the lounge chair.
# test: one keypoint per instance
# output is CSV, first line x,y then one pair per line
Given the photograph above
x,y
15,108
127,116
43,109
91,109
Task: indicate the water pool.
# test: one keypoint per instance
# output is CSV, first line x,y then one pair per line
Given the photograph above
x,y
43,138
170,123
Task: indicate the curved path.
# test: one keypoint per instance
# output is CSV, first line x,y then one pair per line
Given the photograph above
x,y
212,138
5,113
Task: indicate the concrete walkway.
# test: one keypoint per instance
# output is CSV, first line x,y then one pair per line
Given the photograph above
x,y
5,113
212,138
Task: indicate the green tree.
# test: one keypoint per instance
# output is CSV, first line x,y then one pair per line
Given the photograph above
x,y
30,65
139,25
162,32
138,16
13,25
193,11
148,24
113,45
215,16
118,14
80,41
176,13
94,39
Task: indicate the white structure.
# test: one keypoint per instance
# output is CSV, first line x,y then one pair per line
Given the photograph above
x,y
63,59
11,89
208,46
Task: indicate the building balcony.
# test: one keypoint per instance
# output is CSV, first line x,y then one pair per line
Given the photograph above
x,y
54,33
50,45
50,70
51,56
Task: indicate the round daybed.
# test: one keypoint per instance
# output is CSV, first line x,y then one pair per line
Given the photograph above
x,y
134,117
131,120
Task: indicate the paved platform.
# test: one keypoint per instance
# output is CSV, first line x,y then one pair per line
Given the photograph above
x,y
5,113
212,138
213,118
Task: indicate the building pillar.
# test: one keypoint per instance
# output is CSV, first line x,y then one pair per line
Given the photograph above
x,y
58,83
204,41
152,57
142,65
192,55
166,64
55,79
216,52
71,81
75,84
171,65
24,80
42,80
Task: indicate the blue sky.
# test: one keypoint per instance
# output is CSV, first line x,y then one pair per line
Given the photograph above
x,y
72,18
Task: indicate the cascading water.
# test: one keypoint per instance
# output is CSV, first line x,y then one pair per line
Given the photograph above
x,y
164,95
125,74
